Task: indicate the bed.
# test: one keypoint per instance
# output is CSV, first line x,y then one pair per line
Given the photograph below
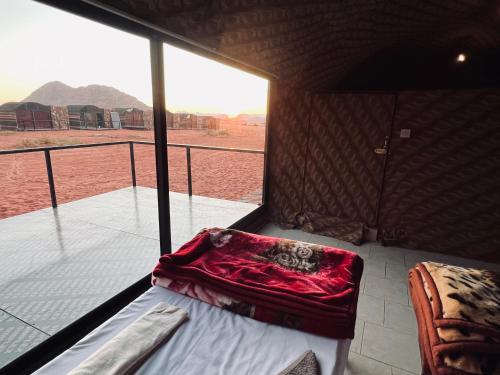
x,y
212,341
457,317
255,304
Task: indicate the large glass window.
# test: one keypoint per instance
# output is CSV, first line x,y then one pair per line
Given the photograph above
x,y
212,104
68,81
78,206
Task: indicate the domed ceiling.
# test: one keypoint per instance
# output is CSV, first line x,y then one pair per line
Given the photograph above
x,y
357,44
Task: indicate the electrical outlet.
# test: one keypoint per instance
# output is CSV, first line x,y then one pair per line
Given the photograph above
x,y
405,133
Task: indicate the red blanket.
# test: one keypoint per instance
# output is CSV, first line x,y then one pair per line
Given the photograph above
x,y
295,284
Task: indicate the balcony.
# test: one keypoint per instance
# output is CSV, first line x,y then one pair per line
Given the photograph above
x,y
60,263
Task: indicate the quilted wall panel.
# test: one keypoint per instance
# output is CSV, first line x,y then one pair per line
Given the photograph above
x,y
442,186
289,121
343,174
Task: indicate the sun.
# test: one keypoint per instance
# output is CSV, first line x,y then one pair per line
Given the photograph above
x,y
197,84
232,113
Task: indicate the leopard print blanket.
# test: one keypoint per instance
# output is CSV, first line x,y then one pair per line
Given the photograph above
x,y
471,296
467,294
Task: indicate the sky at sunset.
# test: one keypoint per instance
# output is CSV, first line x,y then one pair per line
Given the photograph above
x,y
40,44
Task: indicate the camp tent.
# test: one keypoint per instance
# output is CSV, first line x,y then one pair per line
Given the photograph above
x,y
86,117
25,116
132,118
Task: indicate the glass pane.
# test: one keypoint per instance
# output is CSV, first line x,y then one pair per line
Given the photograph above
x,y
67,81
211,104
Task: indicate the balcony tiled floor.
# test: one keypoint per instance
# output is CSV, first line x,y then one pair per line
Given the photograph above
x,y
58,264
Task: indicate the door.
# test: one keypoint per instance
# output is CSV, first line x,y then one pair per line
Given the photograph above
x,y
115,120
346,154
99,120
25,119
42,120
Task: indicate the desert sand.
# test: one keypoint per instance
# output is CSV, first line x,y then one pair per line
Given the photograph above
x,y
79,173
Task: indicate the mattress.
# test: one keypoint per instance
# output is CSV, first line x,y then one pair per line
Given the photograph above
x,y
212,341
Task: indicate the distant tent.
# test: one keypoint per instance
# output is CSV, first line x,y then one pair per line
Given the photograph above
x,y
207,122
183,120
131,118
86,117
25,116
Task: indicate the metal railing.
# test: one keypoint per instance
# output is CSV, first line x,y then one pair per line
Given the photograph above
x,y
187,147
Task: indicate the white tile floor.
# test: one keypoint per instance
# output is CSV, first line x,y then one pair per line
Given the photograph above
x,y
385,340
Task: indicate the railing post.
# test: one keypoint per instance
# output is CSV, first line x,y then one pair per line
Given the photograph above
x,y
50,177
188,160
132,164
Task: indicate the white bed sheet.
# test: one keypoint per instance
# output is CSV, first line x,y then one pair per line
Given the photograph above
x,y
211,341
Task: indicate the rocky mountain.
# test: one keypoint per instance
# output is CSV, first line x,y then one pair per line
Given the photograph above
x,y
253,119
58,93
241,119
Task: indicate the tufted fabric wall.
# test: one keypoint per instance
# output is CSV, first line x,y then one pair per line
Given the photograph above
x,y
442,186
314,43
343,173
324,174
288,142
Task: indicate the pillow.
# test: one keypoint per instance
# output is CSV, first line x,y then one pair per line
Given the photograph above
x,y
306,364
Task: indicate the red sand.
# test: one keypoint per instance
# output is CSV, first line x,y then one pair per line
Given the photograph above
x,y
79,173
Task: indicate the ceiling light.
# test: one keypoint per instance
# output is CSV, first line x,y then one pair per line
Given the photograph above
x,y
461,57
